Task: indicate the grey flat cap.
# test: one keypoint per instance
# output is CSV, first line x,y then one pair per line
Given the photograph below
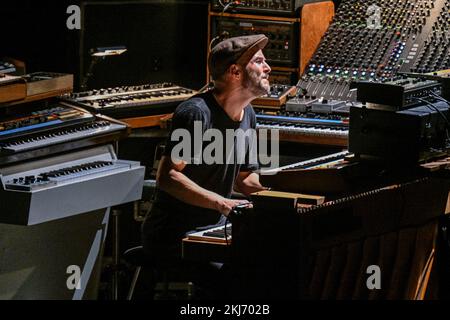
x,y
237,50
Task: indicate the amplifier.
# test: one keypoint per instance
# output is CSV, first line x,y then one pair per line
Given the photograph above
x,y
282,49
269,7
407,136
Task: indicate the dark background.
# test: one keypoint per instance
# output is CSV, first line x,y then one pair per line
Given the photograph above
x,y
166,39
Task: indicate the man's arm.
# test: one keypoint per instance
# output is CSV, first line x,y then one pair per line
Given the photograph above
x,y
247,182
171,179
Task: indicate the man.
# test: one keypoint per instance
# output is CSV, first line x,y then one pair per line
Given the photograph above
x,y
192,193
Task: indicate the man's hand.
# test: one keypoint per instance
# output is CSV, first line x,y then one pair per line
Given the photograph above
x,y
225,205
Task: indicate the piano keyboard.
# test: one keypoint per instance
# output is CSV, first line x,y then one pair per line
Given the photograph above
x,y
63,175
216,234
316,163
42,120
63,135
305,126
67,184
133,101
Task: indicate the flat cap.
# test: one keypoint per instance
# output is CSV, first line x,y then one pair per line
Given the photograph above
x,y
237,50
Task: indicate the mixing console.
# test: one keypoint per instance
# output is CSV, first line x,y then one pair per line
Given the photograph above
x,y
374,40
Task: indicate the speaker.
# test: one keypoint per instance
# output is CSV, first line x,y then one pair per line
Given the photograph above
x,y
165,42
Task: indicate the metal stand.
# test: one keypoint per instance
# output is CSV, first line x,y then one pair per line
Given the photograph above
x,y
115,254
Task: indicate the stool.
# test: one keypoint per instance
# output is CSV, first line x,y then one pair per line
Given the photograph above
x,y
135,256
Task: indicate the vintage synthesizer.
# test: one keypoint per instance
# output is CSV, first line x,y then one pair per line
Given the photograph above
x,y
212,244
315,163
132,101
398,94
208,245
276,97
328,175
52,128
34,86
7,67
60,186
307,127
216,234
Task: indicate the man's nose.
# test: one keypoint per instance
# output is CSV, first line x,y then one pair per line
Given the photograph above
x,y
267,68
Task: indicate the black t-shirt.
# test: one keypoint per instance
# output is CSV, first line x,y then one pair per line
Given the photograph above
x,y
172,218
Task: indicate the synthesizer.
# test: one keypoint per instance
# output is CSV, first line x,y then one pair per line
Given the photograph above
x,y
47,82
7,67
276,97
306,127
132,101
220,234
53,128
212,244
397,94
33,86
64,185
315,163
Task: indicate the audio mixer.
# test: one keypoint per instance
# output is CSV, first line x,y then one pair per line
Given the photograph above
x,y
367,44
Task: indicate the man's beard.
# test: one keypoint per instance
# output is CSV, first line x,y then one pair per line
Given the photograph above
x,y
255,84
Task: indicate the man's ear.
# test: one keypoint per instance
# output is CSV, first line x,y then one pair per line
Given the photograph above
x,y
236,71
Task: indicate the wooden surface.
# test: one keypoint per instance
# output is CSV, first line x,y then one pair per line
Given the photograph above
x,y
147,121
12,92
315,20
205,251
263,102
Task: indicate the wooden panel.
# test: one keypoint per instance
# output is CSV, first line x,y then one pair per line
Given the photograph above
x,y
11,92
205,251
148,121
315,20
